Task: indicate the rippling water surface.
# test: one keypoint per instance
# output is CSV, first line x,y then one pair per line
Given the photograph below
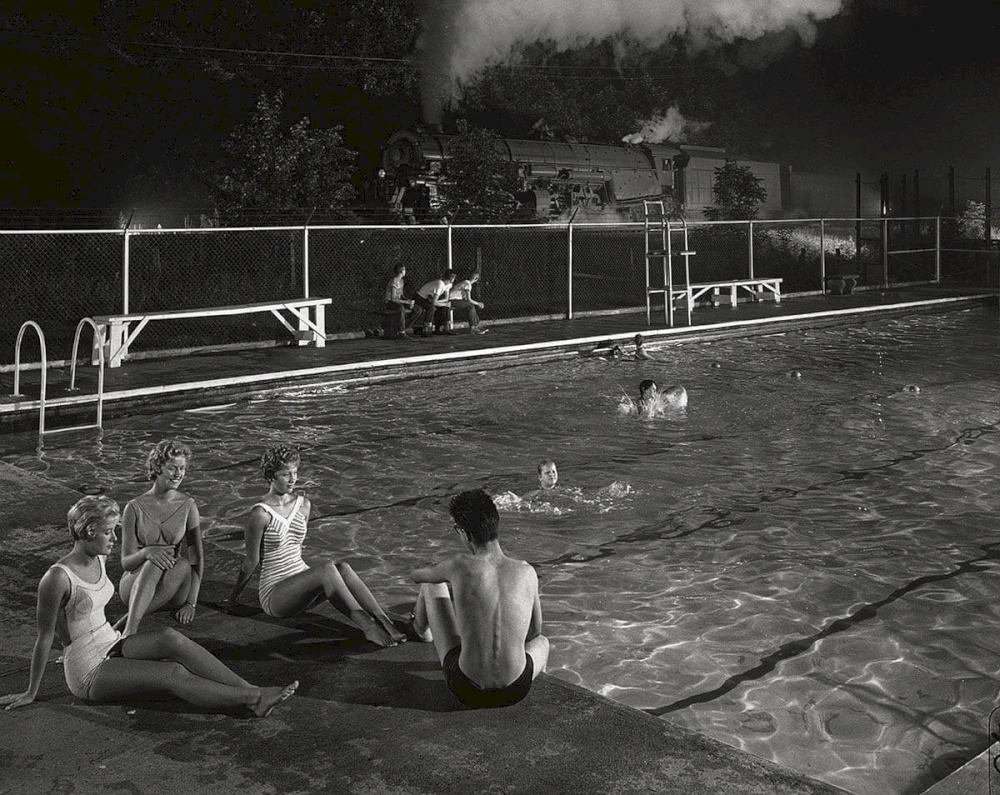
x,y
804,564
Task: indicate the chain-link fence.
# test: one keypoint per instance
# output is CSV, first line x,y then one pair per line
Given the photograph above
x,y
56,278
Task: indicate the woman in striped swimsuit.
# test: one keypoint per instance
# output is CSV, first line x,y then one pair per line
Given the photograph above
x,y
288,585
99,662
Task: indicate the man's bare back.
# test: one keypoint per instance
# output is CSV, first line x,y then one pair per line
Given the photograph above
x,y
487,627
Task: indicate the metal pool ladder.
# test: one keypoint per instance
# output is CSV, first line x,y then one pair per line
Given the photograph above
x,y
99,424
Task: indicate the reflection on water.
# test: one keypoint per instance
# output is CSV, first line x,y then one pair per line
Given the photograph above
x,y
805,567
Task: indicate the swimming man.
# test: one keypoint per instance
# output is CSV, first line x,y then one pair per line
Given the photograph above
x,y
487,630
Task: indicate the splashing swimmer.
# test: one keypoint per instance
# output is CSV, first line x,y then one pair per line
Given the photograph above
x,y
102,665
652,402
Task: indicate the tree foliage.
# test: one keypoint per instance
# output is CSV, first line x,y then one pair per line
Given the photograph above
x,y
269,168
479,183
737,193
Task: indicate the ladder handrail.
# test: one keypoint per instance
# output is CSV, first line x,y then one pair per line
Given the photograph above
x,y
45,369
89,321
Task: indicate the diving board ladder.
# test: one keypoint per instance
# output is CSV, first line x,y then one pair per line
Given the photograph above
x,y
661,249
43,384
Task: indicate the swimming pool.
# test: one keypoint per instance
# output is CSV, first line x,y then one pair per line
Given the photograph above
x,y
803,564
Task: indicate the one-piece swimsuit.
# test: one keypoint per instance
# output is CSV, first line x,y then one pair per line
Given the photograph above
x,y
91,635
282,557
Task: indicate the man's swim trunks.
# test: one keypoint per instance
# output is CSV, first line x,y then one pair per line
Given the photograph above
x,y
475,697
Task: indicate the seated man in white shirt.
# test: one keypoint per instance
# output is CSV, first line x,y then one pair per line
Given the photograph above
x,y
461,298
432,298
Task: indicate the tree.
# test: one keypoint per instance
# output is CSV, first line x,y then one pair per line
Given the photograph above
x,y
737,193
269,170
479,183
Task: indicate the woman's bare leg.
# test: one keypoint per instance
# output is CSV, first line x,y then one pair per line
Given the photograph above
x,y
298,592
170,645
368,602
153,588
121,678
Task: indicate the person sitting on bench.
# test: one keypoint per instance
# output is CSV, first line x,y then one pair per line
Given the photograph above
x,y
461,298
432,299
396,305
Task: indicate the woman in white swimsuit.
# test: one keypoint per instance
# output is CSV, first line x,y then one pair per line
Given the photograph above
x,y
162,552
103,665
288,585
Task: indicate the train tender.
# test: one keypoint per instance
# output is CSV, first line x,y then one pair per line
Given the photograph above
x,y
556,178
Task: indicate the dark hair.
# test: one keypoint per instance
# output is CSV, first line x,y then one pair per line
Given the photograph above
x,y
449,274
476,513
88,513
647,384
398,268
275,457
163,452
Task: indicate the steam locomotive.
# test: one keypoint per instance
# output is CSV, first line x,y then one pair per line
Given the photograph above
x,y
557,179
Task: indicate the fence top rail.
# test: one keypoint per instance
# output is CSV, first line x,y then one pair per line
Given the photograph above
x,y
430,228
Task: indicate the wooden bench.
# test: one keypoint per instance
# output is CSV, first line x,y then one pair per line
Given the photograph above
x,y
115,334
758,288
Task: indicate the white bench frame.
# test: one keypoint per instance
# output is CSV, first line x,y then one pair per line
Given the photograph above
x,y
758,288
115,336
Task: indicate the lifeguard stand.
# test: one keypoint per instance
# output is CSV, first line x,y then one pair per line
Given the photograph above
x,y
666,240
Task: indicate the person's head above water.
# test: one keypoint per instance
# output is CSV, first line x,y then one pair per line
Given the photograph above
x,y
647,389
548,475
639,340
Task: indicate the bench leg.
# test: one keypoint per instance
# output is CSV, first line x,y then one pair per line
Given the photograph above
x,y
732,297
319,318
117,344
100,341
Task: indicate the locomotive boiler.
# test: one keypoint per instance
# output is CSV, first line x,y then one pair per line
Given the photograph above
x,y
556,178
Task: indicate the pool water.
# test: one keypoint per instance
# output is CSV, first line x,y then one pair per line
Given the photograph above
x,y
804,563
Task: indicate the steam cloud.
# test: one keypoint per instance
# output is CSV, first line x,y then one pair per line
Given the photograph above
x,y
671,126
463,36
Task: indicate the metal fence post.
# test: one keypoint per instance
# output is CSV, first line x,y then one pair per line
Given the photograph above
x,y
125,274
937,250
822,255
750,245
305,260
451,252
569,267
885,252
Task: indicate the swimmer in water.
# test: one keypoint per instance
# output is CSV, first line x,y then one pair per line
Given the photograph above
x,y
653,402
640,351
548,477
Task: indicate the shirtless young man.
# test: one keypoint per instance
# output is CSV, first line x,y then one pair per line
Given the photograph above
x,y
488,635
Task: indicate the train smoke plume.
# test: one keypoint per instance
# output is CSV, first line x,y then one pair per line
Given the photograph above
x,y
671,126
461,37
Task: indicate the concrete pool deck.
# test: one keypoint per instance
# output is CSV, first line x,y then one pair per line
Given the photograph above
x,y
365,720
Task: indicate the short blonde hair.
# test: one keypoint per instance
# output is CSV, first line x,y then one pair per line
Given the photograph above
x,y
88,513
163,452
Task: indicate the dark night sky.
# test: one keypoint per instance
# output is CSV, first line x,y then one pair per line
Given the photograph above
x,y
888,85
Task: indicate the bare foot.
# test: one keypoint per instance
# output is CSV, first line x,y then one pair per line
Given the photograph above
x,y
394,632
270,697
372,629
